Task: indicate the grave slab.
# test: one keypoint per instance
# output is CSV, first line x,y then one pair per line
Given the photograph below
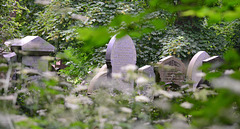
x,y
192,71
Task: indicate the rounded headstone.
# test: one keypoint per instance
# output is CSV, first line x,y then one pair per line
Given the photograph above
x,y
100,80
97,81
120,52
103,68
195,63
175,74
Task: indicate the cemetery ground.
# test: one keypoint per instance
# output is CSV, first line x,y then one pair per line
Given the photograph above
x,y
120,64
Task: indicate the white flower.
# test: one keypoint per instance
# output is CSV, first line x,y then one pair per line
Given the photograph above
x,y
175,94
227,83
79,88
200,74
127,110
42,112
57,88
186,105
163,104
169,94
142,98
72,102
78,100
72,106
141,80
163,92
117,75
104,111
72,99
85,100
129,67
228,72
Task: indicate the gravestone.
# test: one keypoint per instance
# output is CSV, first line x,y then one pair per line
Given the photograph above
x,y
103,68
100,80
10,56
35,62
30,50
195,63
171,70
215,61
147,71
120,52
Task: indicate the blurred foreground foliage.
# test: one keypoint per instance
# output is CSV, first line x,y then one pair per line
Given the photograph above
x,y
45,100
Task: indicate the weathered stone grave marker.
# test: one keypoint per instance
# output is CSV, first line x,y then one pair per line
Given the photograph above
x,y
120,52
215,61
147,71
175,73
10,57
103,68
99,80
193,72
30,50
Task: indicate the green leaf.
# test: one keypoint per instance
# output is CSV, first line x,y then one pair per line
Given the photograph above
x,y
93,37
158,23
212,75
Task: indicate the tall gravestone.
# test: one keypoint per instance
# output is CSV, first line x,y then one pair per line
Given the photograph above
x,y
120,52
195,63
174,73
30,50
